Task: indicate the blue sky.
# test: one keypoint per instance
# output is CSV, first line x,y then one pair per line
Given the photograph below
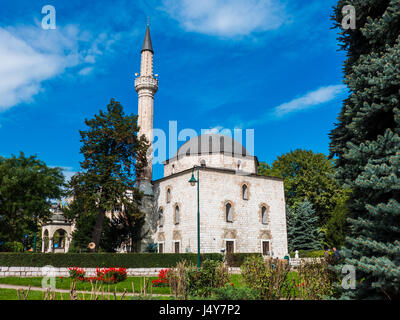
x,y
267,65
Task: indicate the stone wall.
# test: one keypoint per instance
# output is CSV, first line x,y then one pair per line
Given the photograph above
x,y
216,189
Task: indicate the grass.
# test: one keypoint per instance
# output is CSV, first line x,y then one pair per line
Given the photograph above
x,y
11,294
65,283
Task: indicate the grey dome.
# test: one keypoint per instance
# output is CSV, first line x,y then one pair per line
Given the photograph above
x,y
210,144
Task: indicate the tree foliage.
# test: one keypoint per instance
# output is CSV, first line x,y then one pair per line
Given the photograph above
x,y
307,175
367,144
303,231
113,156
27,189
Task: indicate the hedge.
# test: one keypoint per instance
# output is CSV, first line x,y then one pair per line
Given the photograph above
x,y
309,254
237,259
93,260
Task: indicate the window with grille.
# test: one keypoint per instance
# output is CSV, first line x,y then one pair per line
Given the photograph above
x,y
245,192
228,209
168,195
264,215
177,215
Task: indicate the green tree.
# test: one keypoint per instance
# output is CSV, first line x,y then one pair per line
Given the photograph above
x,y
367,144
336,227
27,188
303,232
113,157
307,175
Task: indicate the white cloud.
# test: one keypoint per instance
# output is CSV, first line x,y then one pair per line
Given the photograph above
x,y
30,55
309,100
86,71
226,18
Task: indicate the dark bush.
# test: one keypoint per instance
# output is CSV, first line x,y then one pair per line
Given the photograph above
x,y
237,259
13,247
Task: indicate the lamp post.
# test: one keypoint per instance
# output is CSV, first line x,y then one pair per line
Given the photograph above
x,y
192,182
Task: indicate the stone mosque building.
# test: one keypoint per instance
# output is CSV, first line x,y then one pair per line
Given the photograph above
x,y
240,211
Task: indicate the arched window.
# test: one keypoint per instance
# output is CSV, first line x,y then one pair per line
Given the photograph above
x,y
239,165
228,212
160,217
264,215
245,192
168,195
59,239
177,214
173,169
203,162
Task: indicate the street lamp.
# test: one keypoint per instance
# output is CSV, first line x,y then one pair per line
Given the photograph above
x,y
192,182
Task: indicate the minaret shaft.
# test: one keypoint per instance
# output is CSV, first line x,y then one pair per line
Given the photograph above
x,y
146,85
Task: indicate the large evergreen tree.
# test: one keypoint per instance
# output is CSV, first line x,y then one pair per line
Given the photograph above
x,y
113,156
27,189
367,144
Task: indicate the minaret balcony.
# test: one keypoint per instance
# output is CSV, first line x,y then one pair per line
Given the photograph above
x,y
146,83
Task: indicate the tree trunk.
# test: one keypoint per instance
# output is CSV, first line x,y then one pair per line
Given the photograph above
x,y
98,228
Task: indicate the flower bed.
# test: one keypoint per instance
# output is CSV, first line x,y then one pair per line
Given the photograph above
x,y
105,275
162,279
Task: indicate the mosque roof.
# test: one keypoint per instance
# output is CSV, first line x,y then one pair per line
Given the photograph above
x,y
210,144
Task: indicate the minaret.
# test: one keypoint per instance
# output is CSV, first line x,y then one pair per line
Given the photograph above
x,y
146,86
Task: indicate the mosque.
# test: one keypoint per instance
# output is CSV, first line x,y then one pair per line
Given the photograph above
x,y
213,180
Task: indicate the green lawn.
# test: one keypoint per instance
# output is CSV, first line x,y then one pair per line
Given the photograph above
x,y
65,283
11,294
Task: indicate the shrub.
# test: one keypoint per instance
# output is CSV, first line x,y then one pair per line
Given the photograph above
x,y
178,279
186,280
269,279
76,273
309,254
162,279
229,292
314,281
13,247
237,259
111,275
105,275
213,274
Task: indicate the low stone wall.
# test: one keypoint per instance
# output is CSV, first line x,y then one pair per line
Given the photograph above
x,y
64,272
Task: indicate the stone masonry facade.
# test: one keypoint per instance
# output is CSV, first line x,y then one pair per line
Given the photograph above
x,y
217,188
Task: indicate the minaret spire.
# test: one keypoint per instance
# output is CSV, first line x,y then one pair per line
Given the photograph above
x,y
147,40
146,85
